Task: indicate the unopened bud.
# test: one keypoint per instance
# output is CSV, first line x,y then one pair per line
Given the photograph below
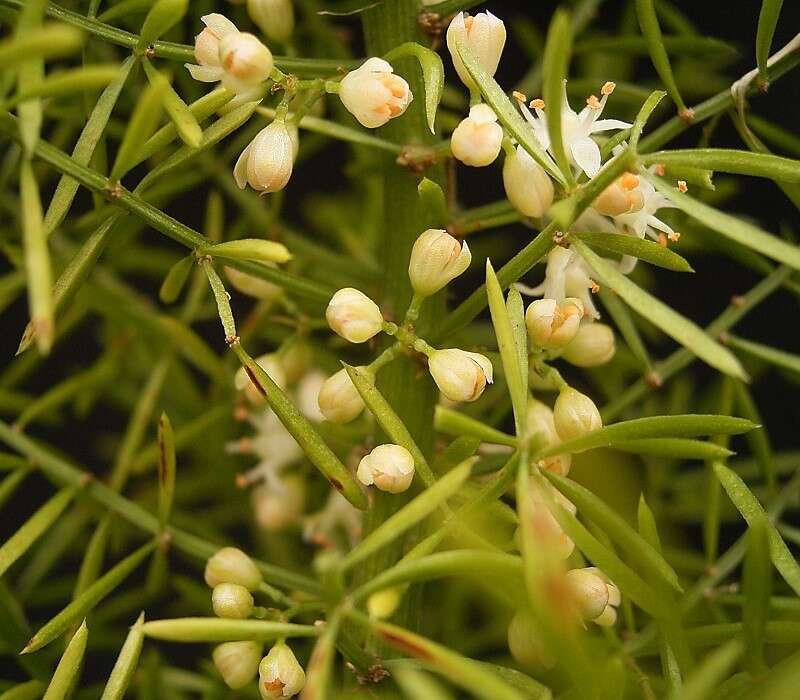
x,y
541,424
271,364
476,141
307,392
546,528
266,164
575,414
621,197
280,675
383,603
436,259
460,375
526,644
237,662
232,600
232,565
274,17
389,467
246,62
339,399
277,506
592,346
528,187
595,597
373,94
484,34
353,315
552,325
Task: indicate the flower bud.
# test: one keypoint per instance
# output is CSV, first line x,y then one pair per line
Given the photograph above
x,y
528,187
237,662
339,400
383,603
484,34
477,139
595,597
353,315
274,17
552,325
575,414
547,530
525,642
460,375
231,600
251,285
540,423
271,364
232,565
389,467
436,259
307,393
280,675
266,164
592,346
277,506
621,197
373,94
245,60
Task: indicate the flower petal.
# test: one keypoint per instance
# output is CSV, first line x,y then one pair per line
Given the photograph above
x,y
240,169
608,124
205,74
586,154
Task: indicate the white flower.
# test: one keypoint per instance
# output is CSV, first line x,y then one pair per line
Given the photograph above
x,y
575,414
339,400
232,565
278,503
436,259
237,662
541,424
266,164
321,527
224,53
460,375
373,94
232,601
484,34
476,141
596,598
280,675
353,315
592,346
389,467
567,276
272,444
553,324
274,17
527,184
576,129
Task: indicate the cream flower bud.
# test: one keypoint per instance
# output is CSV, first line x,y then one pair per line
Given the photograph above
x,y
373,94
592,346
237,662
476,141
595,597
245,60
280,675
484,34
232,565
339,400
389,467
271,364
525,642
541,424
383,603
206,48
251,285
621,197
460,375
548,531
277,506
436,259
266,164
274,17
528,187
231,600
575,414
552,325
353,315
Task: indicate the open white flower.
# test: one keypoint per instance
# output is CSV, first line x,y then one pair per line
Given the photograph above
x,y
223,53
567,275
373,94
337,514
576,129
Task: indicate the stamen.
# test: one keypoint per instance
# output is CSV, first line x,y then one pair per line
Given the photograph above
x,y
682,186
519,96
660,170
595,287
629,181
593,102
608,88
537,104
674,236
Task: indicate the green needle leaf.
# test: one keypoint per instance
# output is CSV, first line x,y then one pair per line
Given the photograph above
x,y
320,665
622,243
185,123
49,41
555,65
777,358
432,75
255,249
730,161
448,420
176,278
767,21
756,589
162,16
686,332
166,469
218,629
711,672
125,666
68,670
676,448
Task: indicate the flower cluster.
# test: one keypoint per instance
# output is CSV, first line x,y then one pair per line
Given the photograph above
x,y
234,577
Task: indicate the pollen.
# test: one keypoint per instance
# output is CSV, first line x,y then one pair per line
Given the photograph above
x,y
629,181
595,287
593,102
660,170
682,186
674,236
608,88
537,104
519,96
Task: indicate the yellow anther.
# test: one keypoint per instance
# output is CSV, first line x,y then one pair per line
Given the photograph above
x,y
682,186
608,88
519,96
593,102
629,181
537,104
